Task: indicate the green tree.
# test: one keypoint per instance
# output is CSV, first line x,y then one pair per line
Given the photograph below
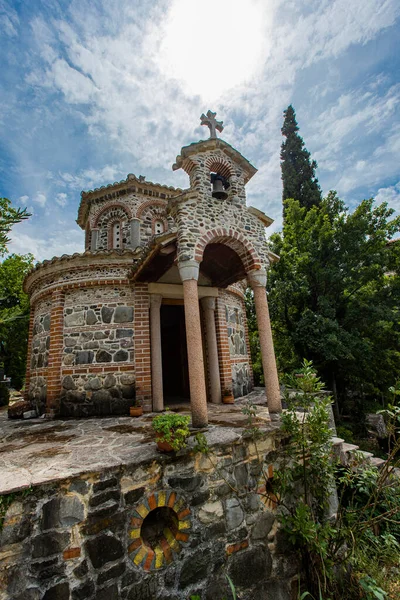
x,y
14,316
298,171
9,216
334,294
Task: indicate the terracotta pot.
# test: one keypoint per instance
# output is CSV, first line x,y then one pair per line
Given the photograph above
x,y
136,411
228,399
164,446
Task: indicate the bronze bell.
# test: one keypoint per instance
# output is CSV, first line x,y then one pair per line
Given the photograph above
x,y
219,186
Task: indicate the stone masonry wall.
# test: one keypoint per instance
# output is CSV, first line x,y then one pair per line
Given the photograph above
x,y
39,355
95,537
236,325
98,341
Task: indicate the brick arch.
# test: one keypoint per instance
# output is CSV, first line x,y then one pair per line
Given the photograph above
x,y
150,204
234,240
97,216
219,165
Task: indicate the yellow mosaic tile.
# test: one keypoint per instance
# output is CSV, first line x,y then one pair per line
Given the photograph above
x,y
178,506
162,496
171,540
142,510
184,525
159,557
135,533
140,555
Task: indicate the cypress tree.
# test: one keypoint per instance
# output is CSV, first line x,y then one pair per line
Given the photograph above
x,y
298,171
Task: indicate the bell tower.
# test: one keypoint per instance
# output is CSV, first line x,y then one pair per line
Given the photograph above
x,y
219,236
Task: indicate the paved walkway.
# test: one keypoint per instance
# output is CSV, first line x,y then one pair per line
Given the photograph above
x,y
35,451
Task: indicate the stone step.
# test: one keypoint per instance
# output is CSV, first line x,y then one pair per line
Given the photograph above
x,y
336,441
377,462
349,447
365,454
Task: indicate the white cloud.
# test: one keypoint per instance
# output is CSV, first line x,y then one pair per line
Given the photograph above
x,y
391,195
61,199
23,199
9,20
91,178
40,199
45,244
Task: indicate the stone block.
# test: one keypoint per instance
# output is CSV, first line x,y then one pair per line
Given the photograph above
x,y
91,317
234,513
103,356
194,569
106,314
75,319
122,333
46,323
62,512
103,549
104,497
210,512
99,486
83,592
121,356
47,544
123,314
112,573
57,592
110,381
250,567
94,383
187,483
108,593
128,391
263,526
81,570
84,357
68,383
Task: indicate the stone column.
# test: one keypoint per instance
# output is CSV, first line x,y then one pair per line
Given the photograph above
x,y
93,240
258,281
189,273
208,304
156,355
135,233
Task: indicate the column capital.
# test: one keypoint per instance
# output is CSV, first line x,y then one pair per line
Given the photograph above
x,y
257,278
155,300
189,269
208,303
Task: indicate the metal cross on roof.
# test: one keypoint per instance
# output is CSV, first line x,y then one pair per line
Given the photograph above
x,y
211,123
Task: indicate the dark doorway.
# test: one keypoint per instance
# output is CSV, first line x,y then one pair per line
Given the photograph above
x,y
174,353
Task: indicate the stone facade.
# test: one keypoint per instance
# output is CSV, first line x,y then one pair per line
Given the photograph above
x,y
91,329
98,535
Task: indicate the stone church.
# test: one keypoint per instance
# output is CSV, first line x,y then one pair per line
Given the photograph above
x,y
153,310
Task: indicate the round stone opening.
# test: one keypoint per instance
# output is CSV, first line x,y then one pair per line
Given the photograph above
x,y
161,523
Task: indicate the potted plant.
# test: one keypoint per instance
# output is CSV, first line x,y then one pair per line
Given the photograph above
x,y
227,396
172,431
136,410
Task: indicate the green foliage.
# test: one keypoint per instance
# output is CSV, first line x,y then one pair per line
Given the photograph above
x,y
14,316
331,297
350,554
9,216
172,428
298,171
201,444
254,338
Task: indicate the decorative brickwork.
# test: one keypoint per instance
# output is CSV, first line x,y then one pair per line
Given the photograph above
x,y
55,352
157,550
142,346
225,366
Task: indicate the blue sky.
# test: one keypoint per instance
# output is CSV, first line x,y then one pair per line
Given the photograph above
x,y
92,90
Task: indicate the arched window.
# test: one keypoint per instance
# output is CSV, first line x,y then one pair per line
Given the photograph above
x,y
117,235
158,227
